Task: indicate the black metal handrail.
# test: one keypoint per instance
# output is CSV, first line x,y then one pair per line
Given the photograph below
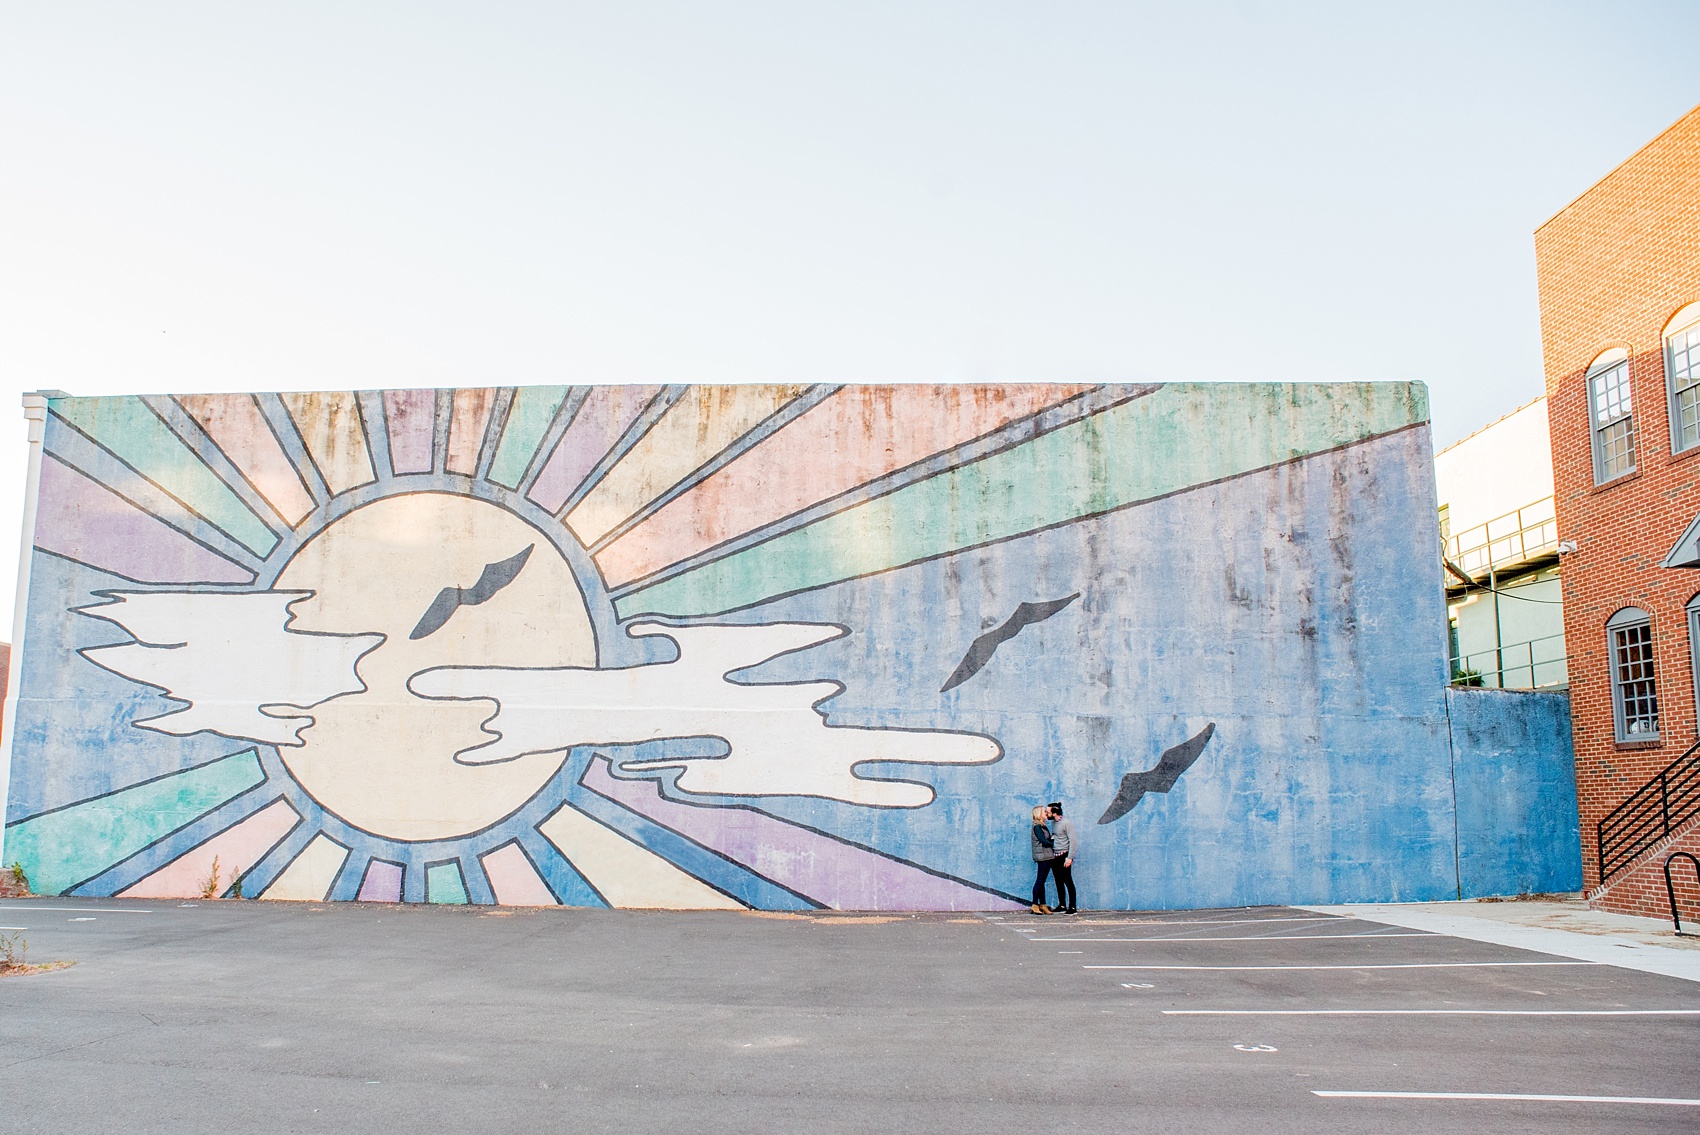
x,y
1655,810
1670,888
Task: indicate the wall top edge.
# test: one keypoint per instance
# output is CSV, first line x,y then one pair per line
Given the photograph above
x,y
1417,388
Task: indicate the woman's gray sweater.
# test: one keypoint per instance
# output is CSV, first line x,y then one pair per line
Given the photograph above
x,y
1042,844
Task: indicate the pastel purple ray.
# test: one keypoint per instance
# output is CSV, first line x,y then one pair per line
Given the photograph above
x,y
605,415
382,882
85,521
412,415
838,875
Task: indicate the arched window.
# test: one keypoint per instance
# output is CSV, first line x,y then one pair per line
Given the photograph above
x,y
1613,424
1682,377
1634,690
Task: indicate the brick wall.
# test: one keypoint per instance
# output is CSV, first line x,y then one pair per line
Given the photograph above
x,y
1614,267
1641,889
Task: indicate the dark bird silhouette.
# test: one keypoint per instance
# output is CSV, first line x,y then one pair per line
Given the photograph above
x,y
492,579
1160,779
987,644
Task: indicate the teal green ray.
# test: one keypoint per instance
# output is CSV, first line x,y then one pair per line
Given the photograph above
x,y
1180,436
528,420
127,428
73,844
443,884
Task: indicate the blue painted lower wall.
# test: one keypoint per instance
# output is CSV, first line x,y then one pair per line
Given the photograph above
x,y
1518,827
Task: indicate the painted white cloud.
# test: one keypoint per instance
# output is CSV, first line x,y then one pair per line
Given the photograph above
x,y
232,657
780,745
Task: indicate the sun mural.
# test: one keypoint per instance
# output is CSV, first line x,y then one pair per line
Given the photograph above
x,y
635,646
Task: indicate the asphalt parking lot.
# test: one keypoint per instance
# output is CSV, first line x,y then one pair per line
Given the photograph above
x,y
261,1017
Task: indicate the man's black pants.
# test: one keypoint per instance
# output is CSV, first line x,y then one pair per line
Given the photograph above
x,y
1065,883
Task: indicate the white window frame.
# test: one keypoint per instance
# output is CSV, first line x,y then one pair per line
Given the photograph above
x,y
1612,365
1681,340
1629,629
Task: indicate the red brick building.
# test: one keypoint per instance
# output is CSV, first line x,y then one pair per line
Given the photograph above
x,y
1620,325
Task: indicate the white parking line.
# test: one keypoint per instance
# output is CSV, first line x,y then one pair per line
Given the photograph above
x,y
1394,965
1431,1012
79,909
1373,936
1659,1100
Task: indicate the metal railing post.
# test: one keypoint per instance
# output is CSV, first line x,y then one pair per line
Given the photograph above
x,y
1670,888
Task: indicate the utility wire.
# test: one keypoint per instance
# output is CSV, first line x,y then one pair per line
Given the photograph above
x,y
1463,575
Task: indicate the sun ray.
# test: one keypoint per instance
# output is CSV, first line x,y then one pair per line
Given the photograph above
x,y
331,428
467,422
769,426
689,434
445,884
411,415
382,882
85,521
871,431
1150,447
98,465
129,429
603,418
530,415
625,873
311,874
514,879
229,853
63,848
242,434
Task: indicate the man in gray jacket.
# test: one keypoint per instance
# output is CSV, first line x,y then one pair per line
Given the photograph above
x,y
1062,869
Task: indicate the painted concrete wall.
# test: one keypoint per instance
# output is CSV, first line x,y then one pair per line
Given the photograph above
x,y
1518,831
776,647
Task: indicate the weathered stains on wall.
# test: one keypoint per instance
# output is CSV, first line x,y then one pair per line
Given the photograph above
x,y
335,437
693,430
470,416
412,416
435,688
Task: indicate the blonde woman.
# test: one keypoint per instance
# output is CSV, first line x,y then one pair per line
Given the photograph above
x,y
1044,854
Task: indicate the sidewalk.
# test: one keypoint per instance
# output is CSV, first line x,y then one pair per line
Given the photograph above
x,y
1566,928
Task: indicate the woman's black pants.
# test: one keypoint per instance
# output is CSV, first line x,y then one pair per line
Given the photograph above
x,y
1065,884
1046,866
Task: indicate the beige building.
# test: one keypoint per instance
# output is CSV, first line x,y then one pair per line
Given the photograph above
x,y
1504,608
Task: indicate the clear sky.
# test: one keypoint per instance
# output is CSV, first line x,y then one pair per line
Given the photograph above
x,y
292,196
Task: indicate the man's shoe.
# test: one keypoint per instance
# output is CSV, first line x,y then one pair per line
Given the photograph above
x,y
1071,910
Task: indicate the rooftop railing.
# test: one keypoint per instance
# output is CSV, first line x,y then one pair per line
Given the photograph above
x,y
1539,663
1517,537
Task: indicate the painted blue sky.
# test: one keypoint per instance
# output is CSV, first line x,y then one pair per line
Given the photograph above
x,y
215,197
